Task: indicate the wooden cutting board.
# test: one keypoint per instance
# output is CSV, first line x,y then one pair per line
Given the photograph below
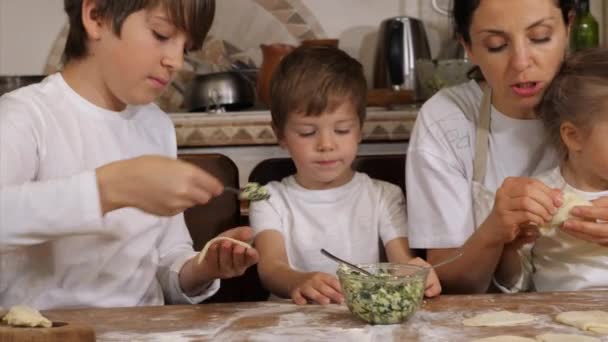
x,y
64,332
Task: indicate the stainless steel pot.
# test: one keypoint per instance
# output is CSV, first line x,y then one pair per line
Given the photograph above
x,y
229,90
10,83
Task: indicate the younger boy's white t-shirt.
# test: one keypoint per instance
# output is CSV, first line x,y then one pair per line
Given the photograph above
x,y
350,221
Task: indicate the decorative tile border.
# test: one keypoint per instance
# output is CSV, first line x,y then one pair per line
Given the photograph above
x,y
253,128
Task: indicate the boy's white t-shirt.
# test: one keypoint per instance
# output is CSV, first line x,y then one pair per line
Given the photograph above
x,y
56,249
561,262
350,221
439,167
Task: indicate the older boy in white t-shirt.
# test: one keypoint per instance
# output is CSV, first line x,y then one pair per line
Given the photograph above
x,y
318,107
91,193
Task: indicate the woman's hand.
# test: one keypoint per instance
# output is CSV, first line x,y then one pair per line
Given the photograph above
x,y
318,287
155,184
521,203
589,223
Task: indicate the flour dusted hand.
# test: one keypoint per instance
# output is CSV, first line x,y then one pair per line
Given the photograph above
x,y
25,316
203,252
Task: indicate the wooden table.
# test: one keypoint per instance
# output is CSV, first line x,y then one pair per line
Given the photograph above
x,y
438,319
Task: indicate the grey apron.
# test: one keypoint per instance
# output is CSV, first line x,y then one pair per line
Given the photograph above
x,y
483,198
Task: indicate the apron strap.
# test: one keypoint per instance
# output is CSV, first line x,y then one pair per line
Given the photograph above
x,y
482,136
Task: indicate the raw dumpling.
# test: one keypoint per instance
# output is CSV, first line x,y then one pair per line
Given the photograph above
x,y
203,252
571,200
565,338
593,320
24,316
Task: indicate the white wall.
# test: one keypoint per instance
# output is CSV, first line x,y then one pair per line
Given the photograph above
x,y
28,28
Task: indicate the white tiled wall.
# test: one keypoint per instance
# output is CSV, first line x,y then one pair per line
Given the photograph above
x,y
28,27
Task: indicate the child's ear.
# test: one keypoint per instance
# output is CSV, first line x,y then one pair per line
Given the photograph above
x,y
572,136
91,20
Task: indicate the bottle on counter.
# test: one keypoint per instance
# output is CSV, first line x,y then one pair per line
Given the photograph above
x,y
585,29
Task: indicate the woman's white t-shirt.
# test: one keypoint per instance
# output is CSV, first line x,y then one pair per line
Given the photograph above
x,y
439,167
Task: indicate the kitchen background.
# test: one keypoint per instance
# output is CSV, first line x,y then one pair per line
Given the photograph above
x,y
32,34
29,29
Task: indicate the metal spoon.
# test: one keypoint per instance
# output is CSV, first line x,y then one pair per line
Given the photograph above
x,y
448,260
353,266
241,194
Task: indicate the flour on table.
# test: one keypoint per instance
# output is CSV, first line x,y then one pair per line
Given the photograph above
x,y
25,316
498,319
203,252
593,320
565,338
505,338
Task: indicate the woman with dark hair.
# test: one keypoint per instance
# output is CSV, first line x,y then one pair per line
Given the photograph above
x,y
475,145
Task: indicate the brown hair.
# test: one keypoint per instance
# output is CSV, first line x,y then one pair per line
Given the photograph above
x,y
578,94
315,79
191,16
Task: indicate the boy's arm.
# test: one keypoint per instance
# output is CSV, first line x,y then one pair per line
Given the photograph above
x,y
279,278
34,212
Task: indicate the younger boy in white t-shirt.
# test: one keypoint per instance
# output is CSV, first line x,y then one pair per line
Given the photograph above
x,y
318,99
91,192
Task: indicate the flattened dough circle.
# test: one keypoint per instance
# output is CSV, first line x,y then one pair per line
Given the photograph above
x,y
203,252
498,319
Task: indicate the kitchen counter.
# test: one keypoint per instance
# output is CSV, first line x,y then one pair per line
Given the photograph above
x,y
253,127
439,319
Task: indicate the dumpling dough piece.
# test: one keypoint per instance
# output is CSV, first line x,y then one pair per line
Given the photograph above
x,y
24,316
565,338
571,200
505,338
592,320
498,319
203,252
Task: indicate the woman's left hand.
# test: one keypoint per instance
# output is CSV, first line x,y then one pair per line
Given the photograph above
x,y
589,223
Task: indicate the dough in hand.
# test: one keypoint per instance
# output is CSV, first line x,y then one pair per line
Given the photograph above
x,y
203,252
593,320
565,338
24,316
505,338
498,319
571,200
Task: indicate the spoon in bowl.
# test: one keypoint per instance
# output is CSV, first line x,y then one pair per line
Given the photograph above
x,y
353,266
359,269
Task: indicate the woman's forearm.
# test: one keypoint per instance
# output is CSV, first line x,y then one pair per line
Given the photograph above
x,y
473,272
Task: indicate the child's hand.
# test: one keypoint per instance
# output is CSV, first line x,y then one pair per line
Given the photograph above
x,y
589,223
321,288
226,259
433,286
155,184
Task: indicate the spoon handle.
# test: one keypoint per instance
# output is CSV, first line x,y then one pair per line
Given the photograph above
x,y
448,260
335,258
